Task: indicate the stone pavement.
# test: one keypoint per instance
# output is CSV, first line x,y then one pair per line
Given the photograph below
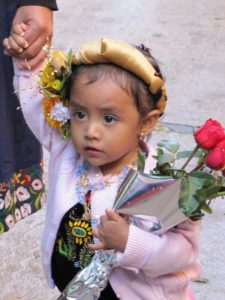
x,y
188,38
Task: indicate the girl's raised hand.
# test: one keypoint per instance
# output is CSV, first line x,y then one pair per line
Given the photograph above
x,y
15,43
112,232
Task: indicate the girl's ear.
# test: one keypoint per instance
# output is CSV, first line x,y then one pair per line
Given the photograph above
x,y
149,122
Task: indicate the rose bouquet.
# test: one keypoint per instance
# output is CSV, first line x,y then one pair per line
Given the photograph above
x,y
203,181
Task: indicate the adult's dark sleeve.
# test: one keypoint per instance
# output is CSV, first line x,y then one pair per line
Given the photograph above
x,y
47,3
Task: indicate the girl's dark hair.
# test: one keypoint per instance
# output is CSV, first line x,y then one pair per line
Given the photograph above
x,y
145,101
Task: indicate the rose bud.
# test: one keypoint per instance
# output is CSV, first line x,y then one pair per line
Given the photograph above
x,y
215,159
210,134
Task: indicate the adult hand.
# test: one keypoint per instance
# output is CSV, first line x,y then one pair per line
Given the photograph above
x,y
112,232
39,28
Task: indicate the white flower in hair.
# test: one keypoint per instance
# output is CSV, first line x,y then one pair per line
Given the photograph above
x,y
60,113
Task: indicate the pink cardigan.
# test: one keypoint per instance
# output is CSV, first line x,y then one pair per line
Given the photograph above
x,y
153,266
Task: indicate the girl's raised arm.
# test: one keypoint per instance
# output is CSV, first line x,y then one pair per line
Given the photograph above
x,y
26,88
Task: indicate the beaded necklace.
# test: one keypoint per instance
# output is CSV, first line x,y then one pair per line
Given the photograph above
x,y
83,185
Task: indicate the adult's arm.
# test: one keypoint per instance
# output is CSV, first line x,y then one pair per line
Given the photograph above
x,y
50,3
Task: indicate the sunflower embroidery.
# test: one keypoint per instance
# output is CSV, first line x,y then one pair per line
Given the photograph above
x,y
81,231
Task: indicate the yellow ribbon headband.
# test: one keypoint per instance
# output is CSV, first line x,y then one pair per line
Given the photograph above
x,y
126,56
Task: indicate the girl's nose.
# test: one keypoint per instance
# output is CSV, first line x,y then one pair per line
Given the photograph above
x,y
92,131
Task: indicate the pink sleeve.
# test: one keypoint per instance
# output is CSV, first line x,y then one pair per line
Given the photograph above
x,y
25,83
157,255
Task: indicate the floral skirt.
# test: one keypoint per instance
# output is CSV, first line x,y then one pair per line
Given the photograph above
x,y
21,196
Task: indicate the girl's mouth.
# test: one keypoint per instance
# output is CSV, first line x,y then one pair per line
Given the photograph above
x,y
91,151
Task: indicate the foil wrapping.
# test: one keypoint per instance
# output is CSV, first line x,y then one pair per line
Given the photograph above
x,y
89,282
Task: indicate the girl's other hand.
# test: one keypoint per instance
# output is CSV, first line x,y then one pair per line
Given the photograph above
x,y
112,232
16,43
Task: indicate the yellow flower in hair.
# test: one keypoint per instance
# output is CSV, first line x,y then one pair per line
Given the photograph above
x,y
51,82
59,62
55,84
48,104
47,75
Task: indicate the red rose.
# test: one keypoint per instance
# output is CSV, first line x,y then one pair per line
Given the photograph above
x,y
210,134
215,159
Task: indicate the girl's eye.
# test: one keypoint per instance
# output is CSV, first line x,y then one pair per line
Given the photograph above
x,y
79,115
110,119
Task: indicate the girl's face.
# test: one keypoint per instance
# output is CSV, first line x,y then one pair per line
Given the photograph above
x,y
105,124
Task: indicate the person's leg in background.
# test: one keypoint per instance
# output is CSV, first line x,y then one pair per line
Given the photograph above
x,y
21,186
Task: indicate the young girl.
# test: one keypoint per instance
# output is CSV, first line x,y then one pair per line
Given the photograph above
x,y
116,95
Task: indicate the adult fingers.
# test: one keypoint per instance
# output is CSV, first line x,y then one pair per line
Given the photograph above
x,y
24,27
37,35
33,62
35,48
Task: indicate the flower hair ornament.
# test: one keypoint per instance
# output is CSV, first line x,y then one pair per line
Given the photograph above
x,y
53,77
